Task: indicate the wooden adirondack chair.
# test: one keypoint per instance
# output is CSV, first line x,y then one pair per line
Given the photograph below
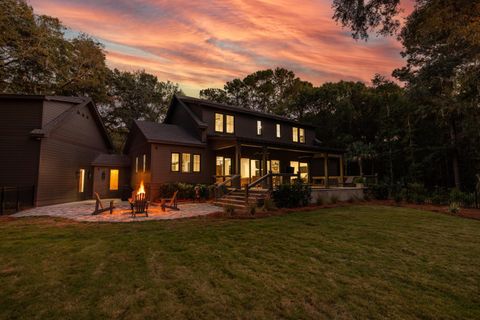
x,y
99,208
172,202
139,205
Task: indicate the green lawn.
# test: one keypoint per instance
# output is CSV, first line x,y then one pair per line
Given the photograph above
x,y
352,262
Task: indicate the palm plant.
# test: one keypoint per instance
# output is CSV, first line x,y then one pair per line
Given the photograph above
x,y
359,151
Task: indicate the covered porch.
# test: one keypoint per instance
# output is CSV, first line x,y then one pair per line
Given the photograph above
x,y
240,163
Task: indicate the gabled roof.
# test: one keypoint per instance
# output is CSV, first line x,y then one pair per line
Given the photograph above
x,y
76,102
177,100
238,109
166,133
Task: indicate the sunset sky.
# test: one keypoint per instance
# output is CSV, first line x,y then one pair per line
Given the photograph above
x,y
202,44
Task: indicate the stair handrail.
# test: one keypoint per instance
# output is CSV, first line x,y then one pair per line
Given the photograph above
x,y
219,186
256,182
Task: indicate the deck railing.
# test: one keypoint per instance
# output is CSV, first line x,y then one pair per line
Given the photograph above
x,y
220,188
14,199
267,181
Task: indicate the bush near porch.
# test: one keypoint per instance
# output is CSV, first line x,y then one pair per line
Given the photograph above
x,y
293,195
186,191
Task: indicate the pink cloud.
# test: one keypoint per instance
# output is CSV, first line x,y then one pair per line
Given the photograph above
x,y
205,45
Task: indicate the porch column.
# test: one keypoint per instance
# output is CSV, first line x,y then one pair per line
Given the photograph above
x,y
341,171
238,157
325,168
264,165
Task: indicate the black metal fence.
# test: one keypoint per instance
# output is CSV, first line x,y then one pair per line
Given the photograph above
x,y
14,199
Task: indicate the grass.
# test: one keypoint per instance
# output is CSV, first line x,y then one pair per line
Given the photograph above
x,y
350,262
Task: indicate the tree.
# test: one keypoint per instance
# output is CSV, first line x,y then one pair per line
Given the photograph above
x,y
440,57
35,57
362,16
135,96
275,91
359,151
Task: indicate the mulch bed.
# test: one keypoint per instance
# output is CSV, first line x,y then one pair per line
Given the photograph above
x,y
464,212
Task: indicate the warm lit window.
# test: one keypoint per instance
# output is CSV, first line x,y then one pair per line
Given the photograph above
x,y
114,179
278,134
219,166
175,162
81,181
295,134
230,124
186,162
301,135
259,128
196,163
136,164
218,122
144,162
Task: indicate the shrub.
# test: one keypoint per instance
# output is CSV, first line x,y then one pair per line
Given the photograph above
x,y
379,191
269,205
229,210
439,196
416,193
252,209
319,201
292,195
333,199
462,198
454,208
185,190
397,197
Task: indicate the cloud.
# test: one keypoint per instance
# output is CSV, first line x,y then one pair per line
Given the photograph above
x,y
203,44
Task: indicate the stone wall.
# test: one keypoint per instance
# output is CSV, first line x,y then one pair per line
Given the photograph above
x,y
342,194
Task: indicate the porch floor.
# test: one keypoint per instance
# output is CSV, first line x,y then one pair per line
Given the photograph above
x,y
82,211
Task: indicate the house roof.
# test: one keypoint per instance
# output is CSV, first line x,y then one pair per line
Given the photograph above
x,y
76,102
238,109
166,133
111,160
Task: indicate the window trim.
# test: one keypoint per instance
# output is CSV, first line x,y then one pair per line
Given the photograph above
x,y
300,135
171,162
81,180
145,163
278,131
199,163
136,164
223,122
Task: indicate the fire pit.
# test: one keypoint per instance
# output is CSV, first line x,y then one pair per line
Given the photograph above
x,y
138,202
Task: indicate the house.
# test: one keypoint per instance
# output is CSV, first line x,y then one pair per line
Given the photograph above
x,y
202,142
59,147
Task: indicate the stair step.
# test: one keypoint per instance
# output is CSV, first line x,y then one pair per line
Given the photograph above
x,y
236,206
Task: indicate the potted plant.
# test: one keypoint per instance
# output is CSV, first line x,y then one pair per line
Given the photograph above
x,y
359,182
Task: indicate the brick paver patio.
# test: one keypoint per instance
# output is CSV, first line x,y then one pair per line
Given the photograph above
x,y
82,211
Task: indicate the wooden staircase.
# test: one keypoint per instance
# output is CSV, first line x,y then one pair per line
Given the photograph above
x,y
237,198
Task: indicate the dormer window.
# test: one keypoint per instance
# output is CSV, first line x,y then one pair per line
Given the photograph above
x,y
278,133
230,124
218,122
301,135
298,135
259,128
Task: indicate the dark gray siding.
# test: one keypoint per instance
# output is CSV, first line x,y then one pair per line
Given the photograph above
x,y
53,109
182,118
18,151
70,147
161,166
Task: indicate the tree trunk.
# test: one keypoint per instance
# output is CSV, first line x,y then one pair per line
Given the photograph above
x,y
360,165
455,162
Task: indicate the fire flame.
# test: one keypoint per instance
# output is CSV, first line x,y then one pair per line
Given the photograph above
x,y
141,189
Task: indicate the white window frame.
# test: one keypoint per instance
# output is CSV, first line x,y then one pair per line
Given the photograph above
x,y
219,125
229,129
278,130
259,127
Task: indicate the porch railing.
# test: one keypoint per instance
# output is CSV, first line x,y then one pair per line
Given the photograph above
x,y
220,188
267,180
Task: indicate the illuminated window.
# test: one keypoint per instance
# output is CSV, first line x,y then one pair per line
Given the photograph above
x,y
230,124
196,163
218,122
278,130
114,179
136,165
144,162
175,164
259,128
186,162
301,135
219,166
295,134
81,181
